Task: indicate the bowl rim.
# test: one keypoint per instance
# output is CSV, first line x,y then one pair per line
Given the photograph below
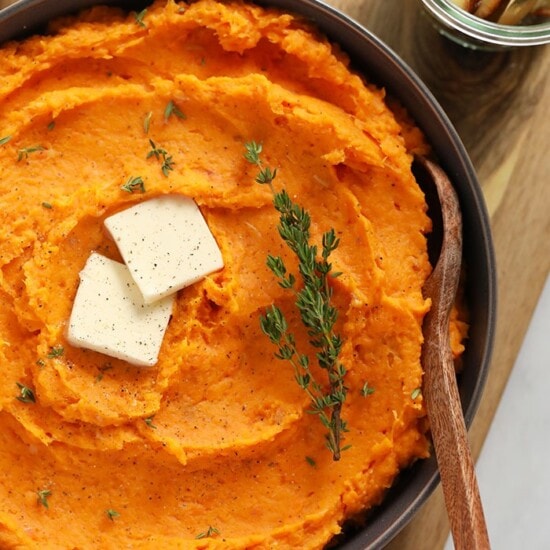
x,y
374,60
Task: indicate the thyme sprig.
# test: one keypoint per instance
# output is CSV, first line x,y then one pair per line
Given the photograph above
x,y
266,175
313,299
161,154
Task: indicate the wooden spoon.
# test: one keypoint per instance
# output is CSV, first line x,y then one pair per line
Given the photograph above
x,y
456,466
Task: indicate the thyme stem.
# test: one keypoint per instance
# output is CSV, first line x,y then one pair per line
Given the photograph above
x,y
313,300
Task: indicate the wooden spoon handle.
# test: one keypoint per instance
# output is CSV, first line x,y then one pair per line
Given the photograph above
x,y
458,478
443,404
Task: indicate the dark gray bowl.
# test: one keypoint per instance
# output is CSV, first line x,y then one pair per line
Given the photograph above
x,y
382,66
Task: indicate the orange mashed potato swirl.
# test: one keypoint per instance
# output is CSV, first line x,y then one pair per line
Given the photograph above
x,y
214,446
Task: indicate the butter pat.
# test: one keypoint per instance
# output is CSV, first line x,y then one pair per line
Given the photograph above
x,y
110,316
166,244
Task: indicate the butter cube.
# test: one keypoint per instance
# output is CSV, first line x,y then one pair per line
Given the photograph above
x,y
166,244
110,316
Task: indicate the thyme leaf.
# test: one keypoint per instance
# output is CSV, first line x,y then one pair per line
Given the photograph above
x,y
43,497
26,395
173,109
147,121
140,16
112,514
157,152
211,531
134,184
313,299
366,390
149,422
416,393
4,140
102,371
26,151
55,351
167,165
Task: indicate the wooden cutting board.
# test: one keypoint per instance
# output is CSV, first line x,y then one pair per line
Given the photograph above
x,y
500,106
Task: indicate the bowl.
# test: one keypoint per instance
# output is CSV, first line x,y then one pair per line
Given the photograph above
x,y
369,56
474,32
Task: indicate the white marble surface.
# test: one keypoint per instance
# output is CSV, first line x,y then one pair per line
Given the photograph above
x,y
513,467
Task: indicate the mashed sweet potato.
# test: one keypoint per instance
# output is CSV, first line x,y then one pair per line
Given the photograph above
x,y
213,447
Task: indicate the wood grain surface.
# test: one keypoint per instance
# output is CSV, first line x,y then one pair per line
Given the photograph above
x,y
500,105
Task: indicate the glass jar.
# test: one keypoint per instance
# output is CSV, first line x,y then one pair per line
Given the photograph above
x,y
474,32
